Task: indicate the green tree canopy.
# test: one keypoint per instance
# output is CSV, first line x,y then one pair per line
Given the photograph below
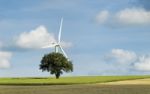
x,y
56,63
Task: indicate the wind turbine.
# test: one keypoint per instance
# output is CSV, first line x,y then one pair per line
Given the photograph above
x,y
57,44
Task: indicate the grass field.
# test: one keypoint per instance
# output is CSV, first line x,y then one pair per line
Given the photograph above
x,y
66,80
73,85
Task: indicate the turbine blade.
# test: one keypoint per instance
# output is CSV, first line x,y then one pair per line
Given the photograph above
x,y
60,30
63,52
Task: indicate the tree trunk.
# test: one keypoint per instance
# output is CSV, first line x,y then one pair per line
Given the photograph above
x,y
57,75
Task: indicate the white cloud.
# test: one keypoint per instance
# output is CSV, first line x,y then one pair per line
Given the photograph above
x,y
143,63
37,38
126,17
133,16
130,59
123,56
102,16
5,59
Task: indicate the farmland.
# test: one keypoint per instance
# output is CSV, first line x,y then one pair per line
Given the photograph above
x,y
76,89
75,85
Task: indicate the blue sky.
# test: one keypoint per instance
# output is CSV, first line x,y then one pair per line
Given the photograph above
x,y
101,37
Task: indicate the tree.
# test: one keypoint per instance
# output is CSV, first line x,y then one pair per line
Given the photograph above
x,y
56,63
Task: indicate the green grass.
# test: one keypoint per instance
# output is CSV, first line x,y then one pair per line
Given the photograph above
x,y
66,80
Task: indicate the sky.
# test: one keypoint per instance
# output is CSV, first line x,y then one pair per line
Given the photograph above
x,y
101,37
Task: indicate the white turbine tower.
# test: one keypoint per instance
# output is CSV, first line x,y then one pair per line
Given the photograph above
x,y
57,44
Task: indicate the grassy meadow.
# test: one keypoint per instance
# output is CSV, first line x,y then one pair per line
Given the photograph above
x,y
66,80
72,85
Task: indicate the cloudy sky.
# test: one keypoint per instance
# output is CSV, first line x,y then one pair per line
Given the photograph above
x,y
101,37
